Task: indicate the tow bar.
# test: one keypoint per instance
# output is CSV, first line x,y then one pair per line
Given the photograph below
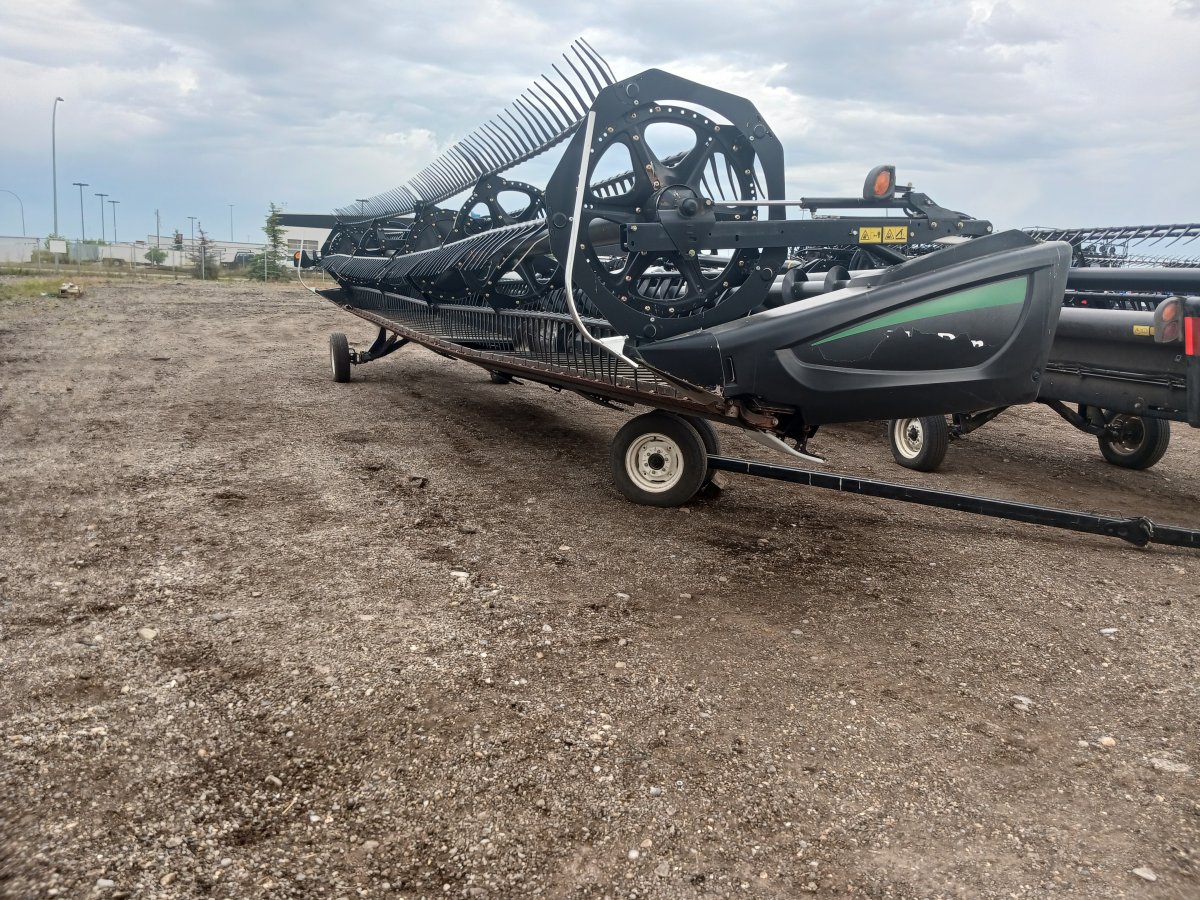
x,y
1137,530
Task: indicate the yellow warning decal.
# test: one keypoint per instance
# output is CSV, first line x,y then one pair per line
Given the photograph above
x,y
870,235
895,234
1143,330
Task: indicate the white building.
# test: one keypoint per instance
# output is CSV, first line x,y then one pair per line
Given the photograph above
x,y
304,231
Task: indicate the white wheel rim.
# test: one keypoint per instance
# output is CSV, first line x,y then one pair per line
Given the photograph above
x,y
654,463
909,437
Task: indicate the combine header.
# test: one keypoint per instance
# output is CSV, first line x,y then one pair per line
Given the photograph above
x,y
660,266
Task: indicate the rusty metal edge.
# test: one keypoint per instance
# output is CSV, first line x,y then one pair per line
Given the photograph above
x,y
623,390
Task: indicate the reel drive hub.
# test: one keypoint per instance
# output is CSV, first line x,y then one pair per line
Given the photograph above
x,y
675,190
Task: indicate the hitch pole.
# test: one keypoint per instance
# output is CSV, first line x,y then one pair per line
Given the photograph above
x,y
1138,530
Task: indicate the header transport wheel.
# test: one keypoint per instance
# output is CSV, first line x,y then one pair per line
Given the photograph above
x,y
919,444
1135,442
658,459
339,357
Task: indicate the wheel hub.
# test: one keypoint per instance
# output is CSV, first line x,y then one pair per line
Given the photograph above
x,y
910,437
654,462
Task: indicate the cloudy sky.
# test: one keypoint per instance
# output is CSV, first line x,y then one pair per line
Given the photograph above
x,y
1027,112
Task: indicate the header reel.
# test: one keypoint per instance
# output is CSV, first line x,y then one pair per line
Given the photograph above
x,y
733,156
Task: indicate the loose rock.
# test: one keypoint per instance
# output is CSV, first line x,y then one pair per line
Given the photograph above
x,y
1169,765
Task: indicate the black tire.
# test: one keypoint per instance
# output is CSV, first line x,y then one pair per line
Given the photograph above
x,y
499,377
339,357
921,443
1142,444
712,446
658,459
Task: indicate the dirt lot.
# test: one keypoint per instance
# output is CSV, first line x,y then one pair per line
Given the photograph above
x,y
265,635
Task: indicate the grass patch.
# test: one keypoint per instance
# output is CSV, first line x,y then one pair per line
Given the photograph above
x,y
23,288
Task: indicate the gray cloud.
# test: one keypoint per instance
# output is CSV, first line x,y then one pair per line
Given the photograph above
x,y
1073,112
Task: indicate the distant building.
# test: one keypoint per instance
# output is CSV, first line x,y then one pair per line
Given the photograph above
x,y
305,231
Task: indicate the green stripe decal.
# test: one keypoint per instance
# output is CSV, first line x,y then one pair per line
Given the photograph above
x,y
1009,292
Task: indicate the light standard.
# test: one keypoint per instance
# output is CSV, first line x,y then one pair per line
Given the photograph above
x,y
361,201
230,221
102,196
14,193
54,156
113,204
192,219
81,185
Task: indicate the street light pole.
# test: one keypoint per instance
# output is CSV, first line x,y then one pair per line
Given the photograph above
x,y
102,232
82,232
54,156
114,203
230,221
22,205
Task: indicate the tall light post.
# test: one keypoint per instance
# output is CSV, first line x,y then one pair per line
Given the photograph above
x,y
192,219
82,232
21,204
113,204
102,232
54,155
230,221
361,201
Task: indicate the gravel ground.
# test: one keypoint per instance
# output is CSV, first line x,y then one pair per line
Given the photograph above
x,y
265,635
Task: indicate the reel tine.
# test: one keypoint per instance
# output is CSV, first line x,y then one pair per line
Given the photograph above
x,y
529,140
432,187
425,188
463,162
464,172
571,115
449,175
562,124
503,140
583,60
541,116
712,162
485,153
583,104
497,154
450,169
469,153
598,59
475,162
444,188
733,182
433,190
473,152
515,135
535,122
583,81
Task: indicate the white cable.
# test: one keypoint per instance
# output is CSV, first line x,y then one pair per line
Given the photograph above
x,y
616,344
